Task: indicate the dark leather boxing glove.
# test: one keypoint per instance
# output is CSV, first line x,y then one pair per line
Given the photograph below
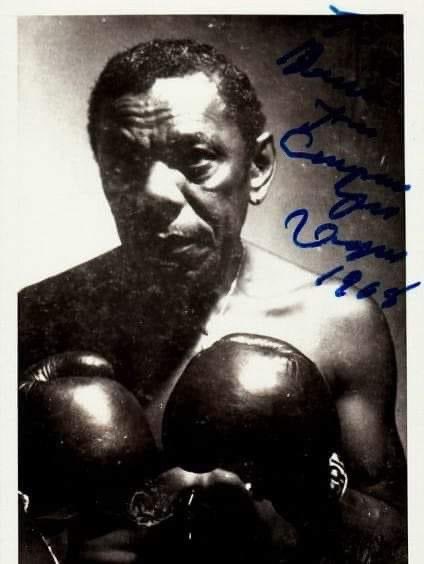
x,y
261,409
35,546
82,435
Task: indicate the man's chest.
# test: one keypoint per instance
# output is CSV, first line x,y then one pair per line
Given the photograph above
x,y
289,324
149,348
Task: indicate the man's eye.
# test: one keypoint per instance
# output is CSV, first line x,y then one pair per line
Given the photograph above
x,y
198,163
200,157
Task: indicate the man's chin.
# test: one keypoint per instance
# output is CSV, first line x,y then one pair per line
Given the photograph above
x,y
197,274
199,267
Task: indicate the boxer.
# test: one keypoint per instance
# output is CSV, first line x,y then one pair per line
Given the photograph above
x,y
179,172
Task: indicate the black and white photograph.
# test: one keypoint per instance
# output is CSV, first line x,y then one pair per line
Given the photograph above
x,y
211,308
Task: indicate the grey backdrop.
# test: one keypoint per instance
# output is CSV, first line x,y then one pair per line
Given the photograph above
x,y
61,205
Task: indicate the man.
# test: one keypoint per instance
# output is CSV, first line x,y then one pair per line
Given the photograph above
x,y
179,138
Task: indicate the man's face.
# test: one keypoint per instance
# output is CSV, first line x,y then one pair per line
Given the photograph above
x,y
174,169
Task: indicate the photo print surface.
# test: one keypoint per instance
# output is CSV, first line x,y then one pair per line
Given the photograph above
x,y
212,333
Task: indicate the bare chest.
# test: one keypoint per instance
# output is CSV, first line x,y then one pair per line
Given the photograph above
x,y
288,322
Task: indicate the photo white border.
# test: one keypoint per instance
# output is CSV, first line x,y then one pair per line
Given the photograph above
x,y
413,10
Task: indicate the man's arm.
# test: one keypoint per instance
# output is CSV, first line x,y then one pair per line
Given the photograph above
x,y
373,510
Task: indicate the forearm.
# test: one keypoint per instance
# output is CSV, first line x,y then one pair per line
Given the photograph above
x,y
370,529
359,529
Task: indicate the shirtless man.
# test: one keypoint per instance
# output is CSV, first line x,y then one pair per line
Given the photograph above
x,y
180,141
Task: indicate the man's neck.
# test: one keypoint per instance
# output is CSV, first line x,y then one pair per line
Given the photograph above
x,y
231,268
192,295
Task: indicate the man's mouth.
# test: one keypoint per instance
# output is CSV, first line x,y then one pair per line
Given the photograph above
x,y
178,250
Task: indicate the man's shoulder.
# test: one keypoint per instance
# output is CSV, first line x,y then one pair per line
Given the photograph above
x,y
347,335
71,310
269,275
87,278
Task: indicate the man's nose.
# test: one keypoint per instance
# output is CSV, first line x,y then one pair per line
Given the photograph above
x,y
165,185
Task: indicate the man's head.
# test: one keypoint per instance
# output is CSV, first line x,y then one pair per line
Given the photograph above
x,y
178,134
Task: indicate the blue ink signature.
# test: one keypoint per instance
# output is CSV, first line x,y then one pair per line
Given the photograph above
x,y
355,276
339,25
353,171
328,233
338,115
301,59
338,12
348,201
354,249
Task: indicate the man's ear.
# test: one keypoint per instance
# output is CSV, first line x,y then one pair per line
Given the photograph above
x,y
262,168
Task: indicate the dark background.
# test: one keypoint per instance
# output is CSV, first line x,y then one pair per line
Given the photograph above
x,y
60,200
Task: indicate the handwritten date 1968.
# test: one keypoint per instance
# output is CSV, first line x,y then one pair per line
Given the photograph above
x,y
354,251
355,276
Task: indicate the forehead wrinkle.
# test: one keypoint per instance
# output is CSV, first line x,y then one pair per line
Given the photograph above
x,y
141,114
152,117
192,97
140,136
138,105
141,127
180,128
166,113
151,122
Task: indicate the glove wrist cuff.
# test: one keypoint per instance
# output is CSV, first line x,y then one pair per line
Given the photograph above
x,y
338,477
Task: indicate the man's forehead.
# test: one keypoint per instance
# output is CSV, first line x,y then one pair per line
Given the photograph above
x,y
193,95
185,106
196,90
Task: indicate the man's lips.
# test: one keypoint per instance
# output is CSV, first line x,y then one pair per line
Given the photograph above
x,y
178,249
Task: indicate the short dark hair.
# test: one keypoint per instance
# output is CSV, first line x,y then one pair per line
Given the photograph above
x,y
136,69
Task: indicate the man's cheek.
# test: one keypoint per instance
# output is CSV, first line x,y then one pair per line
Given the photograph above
x,y
223,176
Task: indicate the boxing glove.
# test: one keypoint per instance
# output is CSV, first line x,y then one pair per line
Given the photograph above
x,y
261,409
37,546
83,437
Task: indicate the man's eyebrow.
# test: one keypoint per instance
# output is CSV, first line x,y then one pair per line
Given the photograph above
x,y
190,138
194,138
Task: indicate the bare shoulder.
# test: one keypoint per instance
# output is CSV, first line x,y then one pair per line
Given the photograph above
x,y
348,337
273,278
364,359
268,275
355,339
